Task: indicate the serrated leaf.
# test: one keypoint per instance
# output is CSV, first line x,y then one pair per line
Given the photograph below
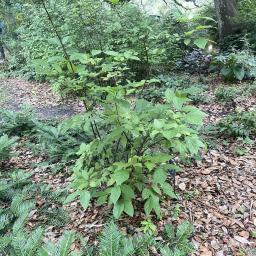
x,y
156,206
150,166
194,117
159,158
239,73
111,53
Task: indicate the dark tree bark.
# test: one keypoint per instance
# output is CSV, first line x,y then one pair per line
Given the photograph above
x,y
2,53
226,12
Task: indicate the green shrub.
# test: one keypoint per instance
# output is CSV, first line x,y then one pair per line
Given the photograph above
x,y
230,94
227,94
237,65
130,160
154,89
239,124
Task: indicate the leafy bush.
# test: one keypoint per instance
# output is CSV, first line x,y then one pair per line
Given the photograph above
x,y
154,89
121,28
239,124
227,94
6,145
230,94
129,161
237,65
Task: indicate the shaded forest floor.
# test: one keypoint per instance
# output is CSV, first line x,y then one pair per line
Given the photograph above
x,y
217,192
14,93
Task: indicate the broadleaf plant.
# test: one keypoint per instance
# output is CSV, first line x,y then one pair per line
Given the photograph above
x,y
129,160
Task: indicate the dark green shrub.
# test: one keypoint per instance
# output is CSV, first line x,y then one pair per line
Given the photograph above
x,y
239,124
237,65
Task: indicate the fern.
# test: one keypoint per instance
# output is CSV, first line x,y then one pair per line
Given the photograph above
x,y
6,144
24,244
177,242
110,241
62,248
17,123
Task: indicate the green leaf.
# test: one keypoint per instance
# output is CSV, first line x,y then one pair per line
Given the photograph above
x,y
195,117
201,42
187,41
184,230
114,1
175,99
150,166
120,176
158,158
148,206
85,197
115,194
171,134
168,190
118,209
159,176
193,144
159,124
65,243
101,200
96,52
71,197
111,53
128,208
156,189
156,205
146,193
239,73
127,192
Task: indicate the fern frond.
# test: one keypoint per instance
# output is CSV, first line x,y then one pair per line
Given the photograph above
x,y
4,220
184,230
110,241
35,242
20,223
4,242
65,244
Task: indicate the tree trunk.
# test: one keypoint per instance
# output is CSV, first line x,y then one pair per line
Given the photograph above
x,y
2,53
226,12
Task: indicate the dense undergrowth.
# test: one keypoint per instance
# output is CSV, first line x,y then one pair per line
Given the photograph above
x,y
141,121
